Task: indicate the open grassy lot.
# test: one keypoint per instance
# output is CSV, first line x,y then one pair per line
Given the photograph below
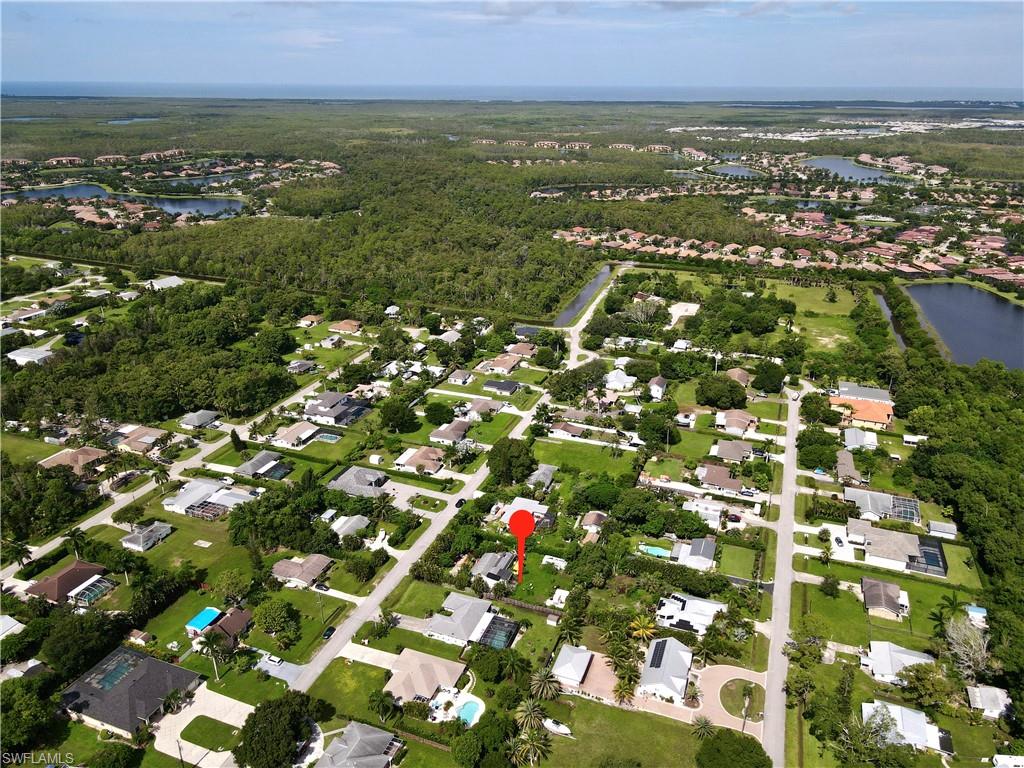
x,y
342,579
244,685
212,734
539,581
489,432
961,567
692,445
318,611
737,561
825,324
588,458
602,732
347,685
424,756
765,409
23,450
416,598
399,638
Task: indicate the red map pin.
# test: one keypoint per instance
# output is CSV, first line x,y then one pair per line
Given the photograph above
x,y
521,525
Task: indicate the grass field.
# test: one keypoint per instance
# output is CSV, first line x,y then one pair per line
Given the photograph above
x,y
737,561
416,598
731,696
311,624
489,432
590,459
347,685
23,450
539,581
399,638
343,580
212,734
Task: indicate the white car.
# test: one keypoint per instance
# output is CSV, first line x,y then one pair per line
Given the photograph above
x,y
275,661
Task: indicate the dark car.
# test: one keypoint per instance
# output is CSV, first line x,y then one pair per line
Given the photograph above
x,y
733,518
839,541
320,587
328,632
459,504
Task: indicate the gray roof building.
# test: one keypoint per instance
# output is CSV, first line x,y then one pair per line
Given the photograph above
x,y
493,567
466,619
501,387
349,525
125,690
543,476
264,464
666,668
846,470
882,506
880,595
856,391
734,450
336,408
360,746
360,481
146,538
571,665
198,419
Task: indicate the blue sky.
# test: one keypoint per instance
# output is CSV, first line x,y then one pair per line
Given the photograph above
x,y
658,44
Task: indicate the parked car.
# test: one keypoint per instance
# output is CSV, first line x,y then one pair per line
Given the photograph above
x,y
839,541
321,588
732,517
747,492
275,660
328,632
796,396
459,504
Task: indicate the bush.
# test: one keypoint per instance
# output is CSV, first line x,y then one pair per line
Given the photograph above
x,y
729,749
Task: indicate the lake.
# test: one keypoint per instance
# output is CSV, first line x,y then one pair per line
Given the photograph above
x,y
972,322
847,169
173,205
732,169
567,315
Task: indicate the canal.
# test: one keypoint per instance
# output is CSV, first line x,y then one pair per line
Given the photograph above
x,y
567,315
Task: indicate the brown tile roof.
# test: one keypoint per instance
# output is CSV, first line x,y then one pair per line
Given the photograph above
x,y
55,588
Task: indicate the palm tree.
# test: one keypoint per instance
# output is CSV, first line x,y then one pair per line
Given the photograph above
x,y
529,714
703,728
161,475
77,538
17,550
383,704
514,664
702,651
544,685
571,632
532,746
826,553
693,692
623,691
210,644
643,627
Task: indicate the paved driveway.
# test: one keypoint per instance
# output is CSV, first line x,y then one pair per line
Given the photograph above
x,y
205,702
284,671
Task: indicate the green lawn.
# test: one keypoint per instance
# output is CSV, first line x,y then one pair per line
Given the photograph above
x,y
539,581
737,561
961,567
423,756
692,445
23,450
489,432
238,684
588,458
399,638
312,623
416,598
427,503
347,685
343,580
212,734
767,410
602,733
731,696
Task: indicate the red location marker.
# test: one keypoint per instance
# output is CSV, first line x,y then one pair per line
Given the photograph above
x,y
521,525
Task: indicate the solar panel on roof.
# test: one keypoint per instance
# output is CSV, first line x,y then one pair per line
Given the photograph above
x,y
658,654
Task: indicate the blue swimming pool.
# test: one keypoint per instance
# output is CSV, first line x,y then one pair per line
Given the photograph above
x,y
653,551
467,712
327,437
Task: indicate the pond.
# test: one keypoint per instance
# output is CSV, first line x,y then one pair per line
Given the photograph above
x,y
732,169
681,174
24,119
567,315
847,169
973,323
206,206
130,120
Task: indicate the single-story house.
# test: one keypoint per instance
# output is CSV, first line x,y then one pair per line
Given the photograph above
x,y
593,521
542,515
163,283
451,434
232,624
349,525
352,327
522,348
894,550
198,419
666,670
68,581
564,429
884,661
910,726
877,505
734,421
335,409
302,572
301,366
571,665
856,391
502,364
361,746
265,464
619,381
360,481
309,321
717,478
542,477
698,554
482,407
868,414
206,499
710,510
992,702
884,599
463,620
846,469
657,387
9,626
460,377
426,460
688,613
732,451
143,539
80,460
740,376
493,567
124,691
417,676
295,435
855,438
507,388
141,439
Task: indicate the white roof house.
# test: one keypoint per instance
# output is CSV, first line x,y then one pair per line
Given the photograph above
x,y
349,525
666,670
855,438
9,625
201,494
699,554
162,283
885,661
910,726
571,665
464,620
992,701
619,381
27,355
688,613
